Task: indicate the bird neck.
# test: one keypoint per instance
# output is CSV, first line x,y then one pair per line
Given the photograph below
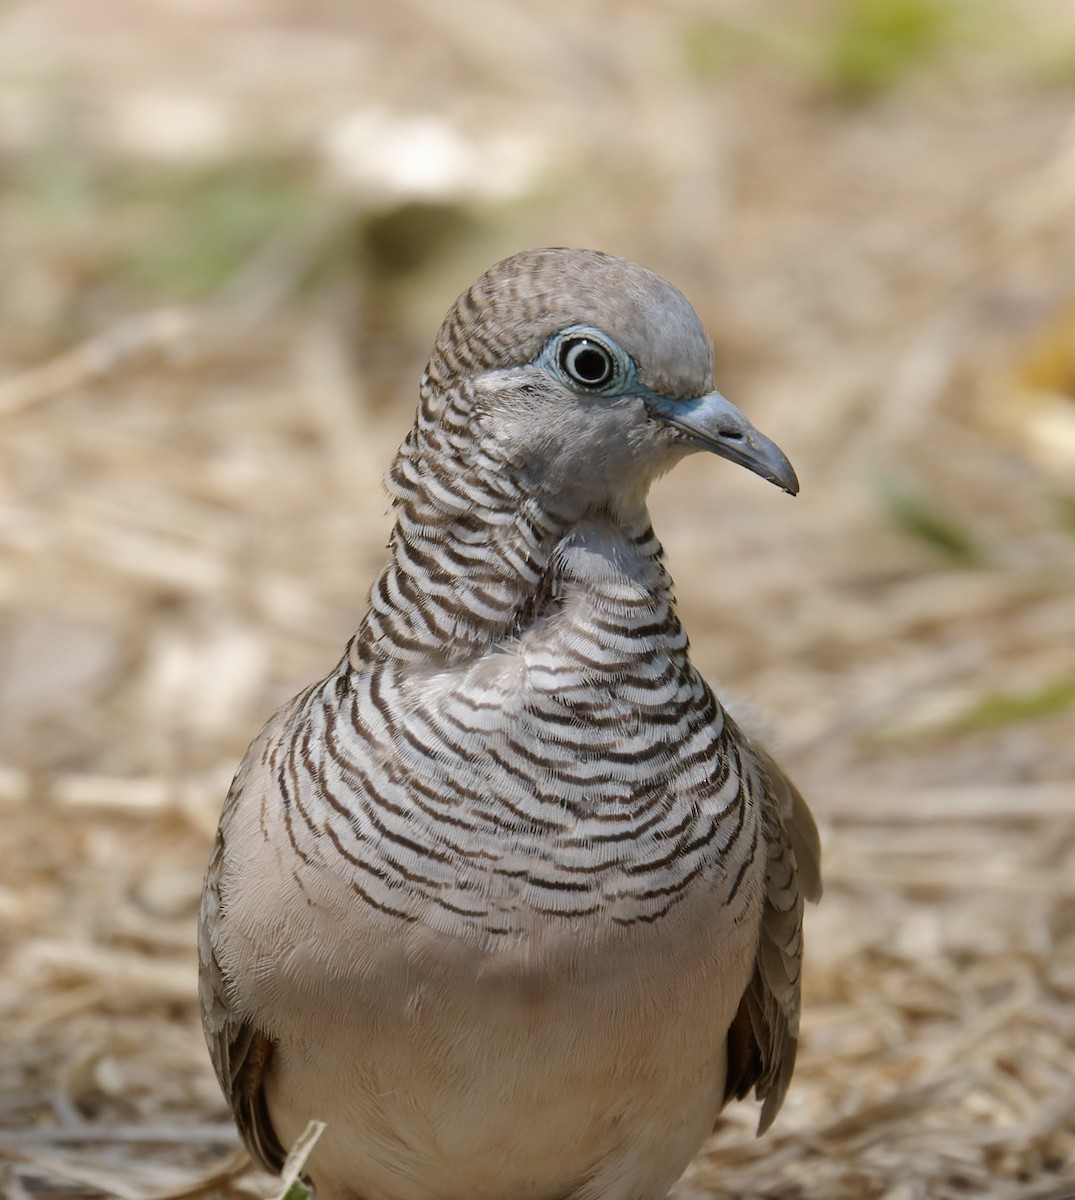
x,y
475,564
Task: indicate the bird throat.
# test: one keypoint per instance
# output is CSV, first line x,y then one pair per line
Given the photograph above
x,y
461,585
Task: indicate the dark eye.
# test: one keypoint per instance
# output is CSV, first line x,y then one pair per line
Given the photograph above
x,y
587,362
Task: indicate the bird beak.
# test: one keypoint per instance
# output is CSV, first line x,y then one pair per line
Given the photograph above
x,y
712,423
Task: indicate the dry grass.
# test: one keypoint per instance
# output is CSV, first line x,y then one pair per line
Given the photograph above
x,y
209,297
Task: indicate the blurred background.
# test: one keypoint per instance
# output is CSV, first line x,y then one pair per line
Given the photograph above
x,y
228,232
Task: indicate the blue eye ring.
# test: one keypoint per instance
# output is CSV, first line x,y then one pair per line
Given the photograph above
x,y
587,362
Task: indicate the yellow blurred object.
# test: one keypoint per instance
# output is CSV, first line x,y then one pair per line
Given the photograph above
x,y
1050,365
1038,404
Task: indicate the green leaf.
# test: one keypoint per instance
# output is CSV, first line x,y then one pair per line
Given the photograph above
x,y
920,517
1065,507
189,229
994,712
874,43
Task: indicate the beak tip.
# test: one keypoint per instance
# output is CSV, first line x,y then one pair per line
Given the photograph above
x,y
780,471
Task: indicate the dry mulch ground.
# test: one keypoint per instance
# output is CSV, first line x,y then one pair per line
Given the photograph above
x,y
222,270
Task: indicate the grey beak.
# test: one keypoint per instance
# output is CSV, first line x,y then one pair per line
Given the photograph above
x,y
712,423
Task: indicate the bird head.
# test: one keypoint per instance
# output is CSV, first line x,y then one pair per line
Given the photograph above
x,y
583,375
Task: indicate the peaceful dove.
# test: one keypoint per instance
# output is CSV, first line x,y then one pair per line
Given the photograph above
x,y
508,900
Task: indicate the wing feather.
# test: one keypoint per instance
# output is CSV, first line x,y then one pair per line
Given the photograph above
x,y
764,1036
240,1054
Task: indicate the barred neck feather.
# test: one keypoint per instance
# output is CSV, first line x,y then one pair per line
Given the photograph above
x,y
518,728
478,554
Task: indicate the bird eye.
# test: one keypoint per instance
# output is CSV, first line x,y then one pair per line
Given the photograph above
x,y
587,362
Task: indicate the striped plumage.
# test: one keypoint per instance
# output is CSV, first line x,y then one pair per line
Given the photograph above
x,y
508,899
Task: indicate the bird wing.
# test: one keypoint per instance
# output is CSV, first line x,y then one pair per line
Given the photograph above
x,y
240,1053
764,1036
